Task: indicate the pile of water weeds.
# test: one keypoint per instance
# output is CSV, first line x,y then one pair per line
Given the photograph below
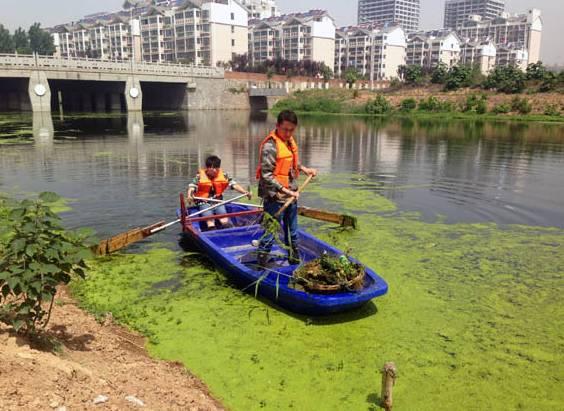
x,y
330,274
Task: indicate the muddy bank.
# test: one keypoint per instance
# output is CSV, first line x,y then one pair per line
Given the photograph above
x,y
93,361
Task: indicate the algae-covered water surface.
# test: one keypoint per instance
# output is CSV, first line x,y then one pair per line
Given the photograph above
x,y
473,320
463,220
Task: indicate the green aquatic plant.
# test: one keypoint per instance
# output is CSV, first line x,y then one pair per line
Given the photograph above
x,y
477,305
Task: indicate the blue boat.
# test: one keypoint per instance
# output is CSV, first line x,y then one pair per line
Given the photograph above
x,y
234,251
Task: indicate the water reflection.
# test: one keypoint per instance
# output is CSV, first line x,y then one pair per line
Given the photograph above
x,y
464,170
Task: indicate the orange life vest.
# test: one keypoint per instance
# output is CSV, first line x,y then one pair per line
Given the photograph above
x,y
205,185
286,159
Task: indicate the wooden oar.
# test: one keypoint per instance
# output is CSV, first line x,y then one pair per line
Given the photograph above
x,y
344,220
292,199
122,240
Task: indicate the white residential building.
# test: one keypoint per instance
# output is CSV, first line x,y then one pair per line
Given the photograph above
x,y
203,32
295,37
510,56
261,9
523,32
375,51
481,54
429,49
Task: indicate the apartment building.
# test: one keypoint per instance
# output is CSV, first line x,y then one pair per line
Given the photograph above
x,y
375,51
519,32
480,54
458,11
431,48
294,37
405,13
511,56
203,32
261,9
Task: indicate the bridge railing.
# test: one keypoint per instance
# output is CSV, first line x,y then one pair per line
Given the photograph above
x,y
87,64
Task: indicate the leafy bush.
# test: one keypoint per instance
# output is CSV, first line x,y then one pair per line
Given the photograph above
x,y
550,82
536,71
482,106
476,103
521,105
38,255
507,79
380,105
304,103
412,75
408,104
502,108
433,104
458,77
439,74
552,110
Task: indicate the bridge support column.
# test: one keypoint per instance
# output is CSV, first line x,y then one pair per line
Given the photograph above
x,y
39,92
133,94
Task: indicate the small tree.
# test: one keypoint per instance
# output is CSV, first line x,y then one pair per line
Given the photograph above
x,y
351,76
6,41
536,71
408,104
412,75
458,77
40,41
507,79
38,255
326,72
21,41
439,74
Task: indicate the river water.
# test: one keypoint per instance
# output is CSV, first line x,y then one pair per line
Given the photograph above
x,y
464,219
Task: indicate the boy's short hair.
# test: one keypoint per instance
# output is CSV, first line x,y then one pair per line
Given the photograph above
x,y
213,162
288,115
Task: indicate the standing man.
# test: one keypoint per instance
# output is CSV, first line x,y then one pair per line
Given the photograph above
x,y
278,173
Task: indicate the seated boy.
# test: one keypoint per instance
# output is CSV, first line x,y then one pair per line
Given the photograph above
x,y
211,182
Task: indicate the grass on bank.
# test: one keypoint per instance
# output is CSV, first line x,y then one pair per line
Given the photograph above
x,y
476,105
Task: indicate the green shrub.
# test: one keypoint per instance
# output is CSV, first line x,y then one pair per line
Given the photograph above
x,y
379,105
521,105
408,104
507,79
38,256
433,104
552,110
305,103
502,108
482,106
476,103
458,77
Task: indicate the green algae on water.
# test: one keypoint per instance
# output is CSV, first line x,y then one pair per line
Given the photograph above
x,y
473,319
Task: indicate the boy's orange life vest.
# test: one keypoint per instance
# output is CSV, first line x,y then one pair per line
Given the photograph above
x,y
205,185
286,159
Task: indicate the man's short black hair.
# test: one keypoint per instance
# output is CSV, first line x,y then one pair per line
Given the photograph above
x,y
213,162
288,115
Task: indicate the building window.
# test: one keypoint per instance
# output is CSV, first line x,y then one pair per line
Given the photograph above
x,y
233,42
232,16
232,29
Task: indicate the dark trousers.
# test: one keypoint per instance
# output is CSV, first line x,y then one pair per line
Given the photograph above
x,y
288,220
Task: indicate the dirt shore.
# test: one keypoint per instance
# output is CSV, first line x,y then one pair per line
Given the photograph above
x,y
97,366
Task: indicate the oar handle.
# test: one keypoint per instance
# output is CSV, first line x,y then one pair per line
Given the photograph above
x,y
163,227
292,199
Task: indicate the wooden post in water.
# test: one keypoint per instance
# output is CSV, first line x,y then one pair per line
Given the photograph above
x,y
389,374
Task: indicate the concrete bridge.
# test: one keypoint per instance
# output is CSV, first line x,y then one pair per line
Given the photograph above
x,y
44,83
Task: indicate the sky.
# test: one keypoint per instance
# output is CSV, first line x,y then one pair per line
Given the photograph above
x,y
51,12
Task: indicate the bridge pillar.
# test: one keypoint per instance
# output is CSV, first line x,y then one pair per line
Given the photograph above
x,y
133,94
39,92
